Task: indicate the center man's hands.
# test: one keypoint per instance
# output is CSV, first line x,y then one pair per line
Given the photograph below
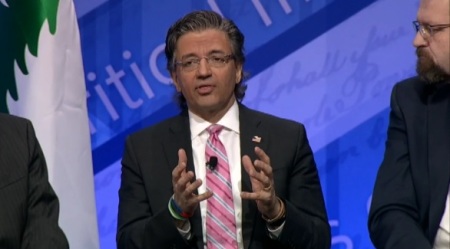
x,y
261,177
184,186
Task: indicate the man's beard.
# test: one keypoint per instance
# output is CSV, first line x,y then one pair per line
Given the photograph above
x,y
429,71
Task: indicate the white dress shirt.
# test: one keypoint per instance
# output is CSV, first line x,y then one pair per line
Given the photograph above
x,y
442,240
230,137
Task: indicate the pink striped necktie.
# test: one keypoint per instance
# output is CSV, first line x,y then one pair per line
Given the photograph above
x,y
220,219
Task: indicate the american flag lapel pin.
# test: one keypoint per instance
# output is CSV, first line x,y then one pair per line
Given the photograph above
x,y
256,139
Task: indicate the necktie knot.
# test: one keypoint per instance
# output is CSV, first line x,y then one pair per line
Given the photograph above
x,y
214,129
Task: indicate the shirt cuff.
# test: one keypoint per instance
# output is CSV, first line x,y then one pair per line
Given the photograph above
x,y
185,231
274,232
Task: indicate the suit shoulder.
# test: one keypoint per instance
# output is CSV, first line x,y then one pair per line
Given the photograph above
x,y
156,130
13,124
411,85
412,82
411,90
17,141
12,119
276,122
293,133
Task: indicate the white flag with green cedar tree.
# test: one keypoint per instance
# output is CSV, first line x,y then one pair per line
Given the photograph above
x,y
42,78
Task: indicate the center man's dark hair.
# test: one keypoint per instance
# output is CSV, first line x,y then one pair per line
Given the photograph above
x,y
199,21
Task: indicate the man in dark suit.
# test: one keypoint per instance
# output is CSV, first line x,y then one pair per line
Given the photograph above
x,y
411,201
269,195
29,208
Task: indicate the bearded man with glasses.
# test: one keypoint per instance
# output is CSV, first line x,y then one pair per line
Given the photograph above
x,y
219,175
411,199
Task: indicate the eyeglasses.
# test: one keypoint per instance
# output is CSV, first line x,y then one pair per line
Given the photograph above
x,y
427,31
192,63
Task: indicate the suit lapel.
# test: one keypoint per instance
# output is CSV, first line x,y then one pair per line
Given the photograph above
x,y
180,137
439,151
251,134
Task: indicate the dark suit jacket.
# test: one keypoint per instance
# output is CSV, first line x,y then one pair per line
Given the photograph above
x,y
413,180
150,156
29,208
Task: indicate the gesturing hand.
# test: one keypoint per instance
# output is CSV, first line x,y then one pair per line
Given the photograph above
x,y
184,186
261,177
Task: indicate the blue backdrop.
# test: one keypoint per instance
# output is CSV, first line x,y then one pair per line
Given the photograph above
x,y
329,64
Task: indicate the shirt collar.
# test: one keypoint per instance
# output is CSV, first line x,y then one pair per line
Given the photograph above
x,y
229,121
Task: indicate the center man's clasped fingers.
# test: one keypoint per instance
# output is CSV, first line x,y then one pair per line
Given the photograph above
x,y
180,169
263,163
184,187
261,177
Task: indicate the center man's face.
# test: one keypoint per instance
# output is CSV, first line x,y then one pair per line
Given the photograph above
x,y
208,88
